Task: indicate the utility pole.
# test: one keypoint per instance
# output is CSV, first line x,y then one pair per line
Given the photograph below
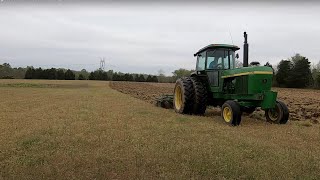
x,y
102,64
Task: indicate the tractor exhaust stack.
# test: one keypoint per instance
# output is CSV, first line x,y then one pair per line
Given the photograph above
x,y
245,50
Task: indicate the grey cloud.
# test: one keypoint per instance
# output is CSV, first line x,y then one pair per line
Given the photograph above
x,y
148,38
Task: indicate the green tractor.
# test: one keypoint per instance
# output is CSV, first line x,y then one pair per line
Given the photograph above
x,y
217,82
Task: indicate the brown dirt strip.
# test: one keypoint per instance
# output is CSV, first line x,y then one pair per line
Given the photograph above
x,y
144,91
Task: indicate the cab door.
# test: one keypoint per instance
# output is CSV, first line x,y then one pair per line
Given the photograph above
x,y
214,68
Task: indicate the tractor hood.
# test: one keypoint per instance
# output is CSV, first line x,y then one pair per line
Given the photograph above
x,y
247,71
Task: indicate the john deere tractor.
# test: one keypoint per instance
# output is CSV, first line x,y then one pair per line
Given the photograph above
x,y
217,82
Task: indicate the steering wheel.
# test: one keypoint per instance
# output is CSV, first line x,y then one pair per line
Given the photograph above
x,y
217,66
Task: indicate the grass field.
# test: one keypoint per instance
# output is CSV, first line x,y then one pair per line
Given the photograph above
x,y
86,130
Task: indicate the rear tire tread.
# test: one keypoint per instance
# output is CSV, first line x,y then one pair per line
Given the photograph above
x,y
188,95
200,97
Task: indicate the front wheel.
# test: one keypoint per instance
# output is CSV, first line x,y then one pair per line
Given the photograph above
x,y
231,113
279,114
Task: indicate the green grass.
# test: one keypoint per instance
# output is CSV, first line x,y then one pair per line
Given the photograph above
x,y
24,85
86,130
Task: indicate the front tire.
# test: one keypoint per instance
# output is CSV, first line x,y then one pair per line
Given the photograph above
x,y
231,113
279,114
183,96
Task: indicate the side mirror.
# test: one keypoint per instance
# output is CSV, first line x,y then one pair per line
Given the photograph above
x,y
237,56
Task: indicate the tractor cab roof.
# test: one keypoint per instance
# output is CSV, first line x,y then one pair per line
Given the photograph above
x,y
215,46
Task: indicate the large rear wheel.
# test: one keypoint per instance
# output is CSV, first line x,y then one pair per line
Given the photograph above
x,y
279,114
231,113
200,97
183,96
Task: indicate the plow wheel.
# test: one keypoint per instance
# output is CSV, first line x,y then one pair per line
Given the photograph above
x,y
200,97
279,114
183,96
231,113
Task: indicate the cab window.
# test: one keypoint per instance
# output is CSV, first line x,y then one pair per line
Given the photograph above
x,y
215,59
220,59
232,59
201,61
226,60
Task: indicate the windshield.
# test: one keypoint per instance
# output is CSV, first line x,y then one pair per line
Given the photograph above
x,y
220,59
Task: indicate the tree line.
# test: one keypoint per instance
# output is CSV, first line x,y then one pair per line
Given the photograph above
x,y
134,77
7,72
294,72
297,72
61,74
53,73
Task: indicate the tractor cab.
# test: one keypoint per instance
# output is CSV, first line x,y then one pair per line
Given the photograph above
x,y
212,60
216,57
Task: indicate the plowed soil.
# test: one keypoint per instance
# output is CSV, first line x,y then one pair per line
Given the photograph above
x,y
144,91
303,104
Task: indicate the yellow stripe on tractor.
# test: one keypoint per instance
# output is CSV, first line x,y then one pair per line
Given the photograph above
x,y
247,73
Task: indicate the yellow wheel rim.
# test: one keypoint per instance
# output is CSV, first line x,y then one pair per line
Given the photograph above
x,y
178,97
227,114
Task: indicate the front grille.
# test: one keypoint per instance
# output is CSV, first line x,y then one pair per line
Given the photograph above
x,y
241,85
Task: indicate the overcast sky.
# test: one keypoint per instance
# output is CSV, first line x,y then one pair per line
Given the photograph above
x,y
145,37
